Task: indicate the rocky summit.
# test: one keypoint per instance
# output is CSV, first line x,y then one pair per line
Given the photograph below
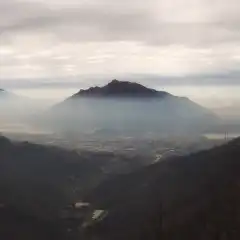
x,y
117,88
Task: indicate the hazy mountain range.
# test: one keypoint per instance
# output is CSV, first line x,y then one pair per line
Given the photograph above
x,y
118,108
121,107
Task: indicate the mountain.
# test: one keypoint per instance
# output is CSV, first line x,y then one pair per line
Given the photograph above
x,y
121,89
193,197
190,197
126,107
41,180
38,182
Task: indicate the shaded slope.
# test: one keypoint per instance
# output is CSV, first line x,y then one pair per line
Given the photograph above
x,y
16,225
195,197
41,180
37,182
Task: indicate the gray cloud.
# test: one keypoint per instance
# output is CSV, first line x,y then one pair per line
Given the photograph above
x,y
51,38
148,22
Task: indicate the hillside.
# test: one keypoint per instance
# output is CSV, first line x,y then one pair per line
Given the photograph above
x,y
38,182
191,197
17,225
194,197
44,179
122,107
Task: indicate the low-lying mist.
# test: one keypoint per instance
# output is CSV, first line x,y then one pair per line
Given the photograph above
x,y
78,118
170,116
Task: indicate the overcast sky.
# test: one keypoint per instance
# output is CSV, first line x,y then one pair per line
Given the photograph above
x,y
66,41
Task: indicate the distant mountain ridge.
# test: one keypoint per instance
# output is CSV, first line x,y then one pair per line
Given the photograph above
x,y
129,107
117,88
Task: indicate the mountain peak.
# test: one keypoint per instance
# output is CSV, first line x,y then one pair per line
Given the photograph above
x,y
117,88
114,81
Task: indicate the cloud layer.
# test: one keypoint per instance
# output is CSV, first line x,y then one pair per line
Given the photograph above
x,y
59,38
